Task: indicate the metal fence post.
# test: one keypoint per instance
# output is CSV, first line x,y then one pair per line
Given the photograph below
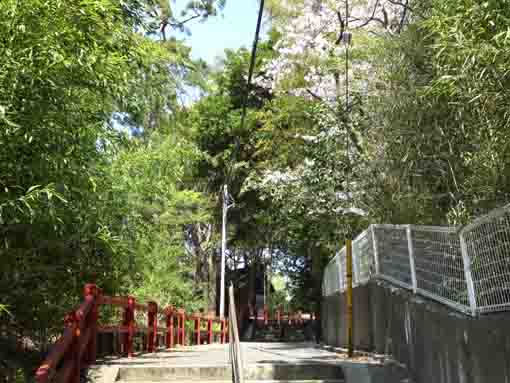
x,y
355,269
467,272
376,255
411,258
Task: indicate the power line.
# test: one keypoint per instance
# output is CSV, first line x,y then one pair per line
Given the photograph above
x,y
226,197
252,62
247,89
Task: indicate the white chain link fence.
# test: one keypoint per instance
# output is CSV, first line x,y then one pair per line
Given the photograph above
x,y
466,268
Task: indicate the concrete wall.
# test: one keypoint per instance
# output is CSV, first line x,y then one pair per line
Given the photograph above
x,y
334,316
437,344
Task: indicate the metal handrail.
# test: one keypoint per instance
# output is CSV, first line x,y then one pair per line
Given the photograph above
x,y
236,358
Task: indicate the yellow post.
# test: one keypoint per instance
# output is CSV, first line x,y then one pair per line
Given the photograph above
x,y
348,261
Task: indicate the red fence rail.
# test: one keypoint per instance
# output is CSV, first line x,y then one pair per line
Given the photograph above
x,y
77,347
281,317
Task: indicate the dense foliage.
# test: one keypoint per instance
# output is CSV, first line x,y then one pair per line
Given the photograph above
x,y
93,166
107,177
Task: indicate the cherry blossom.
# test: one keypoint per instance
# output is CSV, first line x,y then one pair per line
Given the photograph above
x,y
310,50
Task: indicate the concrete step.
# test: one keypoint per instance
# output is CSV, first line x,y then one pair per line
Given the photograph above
x,y
250,381
258,372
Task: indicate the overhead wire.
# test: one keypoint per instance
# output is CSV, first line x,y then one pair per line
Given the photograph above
x,y
247,90
227,198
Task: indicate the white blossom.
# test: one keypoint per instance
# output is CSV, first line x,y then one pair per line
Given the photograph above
x,y
312,37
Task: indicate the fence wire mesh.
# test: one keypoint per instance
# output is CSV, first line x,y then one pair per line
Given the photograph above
x,y
467,269
488,249
331,279
335,279
363,258
439,266
393,252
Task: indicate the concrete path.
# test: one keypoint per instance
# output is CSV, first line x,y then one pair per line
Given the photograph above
x,y
253,353
362,369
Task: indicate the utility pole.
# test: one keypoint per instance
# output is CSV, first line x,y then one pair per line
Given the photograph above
x,y
226,205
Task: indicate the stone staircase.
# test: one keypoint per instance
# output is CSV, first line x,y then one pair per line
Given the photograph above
x,y
280,333
270,373
263,363
268,333
294,334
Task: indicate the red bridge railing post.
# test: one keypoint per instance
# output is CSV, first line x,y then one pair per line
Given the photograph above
x,y
222,331
170,328
181,332
197,318
73,374
91,323
129,324
210,335
152,326
266,315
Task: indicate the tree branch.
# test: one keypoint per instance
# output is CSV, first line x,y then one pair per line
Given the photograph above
x,y
404,5
342,27
371,18
335,113
176,24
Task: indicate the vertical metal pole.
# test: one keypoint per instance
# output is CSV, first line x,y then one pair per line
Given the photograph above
x,y
223,250
350,342
411,258
348,243
355,270
265,280
467,272
376,255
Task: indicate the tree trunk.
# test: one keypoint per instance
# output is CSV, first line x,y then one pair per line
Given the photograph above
x,y
211,283
252,276
199,239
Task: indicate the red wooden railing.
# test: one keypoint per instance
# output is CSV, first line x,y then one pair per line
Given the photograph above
x,y
280,317
77,347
